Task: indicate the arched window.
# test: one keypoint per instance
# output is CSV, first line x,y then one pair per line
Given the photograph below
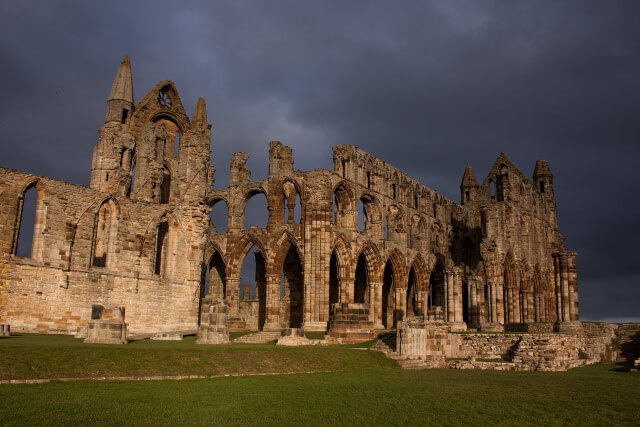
x,y
176,145
215,277
253,283
219,216
165,187
161,249
104,235
256,211
292,206
492,190
292,290
28,225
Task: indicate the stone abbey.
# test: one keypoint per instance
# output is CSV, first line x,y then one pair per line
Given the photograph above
x,y
141,238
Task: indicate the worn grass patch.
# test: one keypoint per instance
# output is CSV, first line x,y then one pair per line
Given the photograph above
x,y
31,356
595,395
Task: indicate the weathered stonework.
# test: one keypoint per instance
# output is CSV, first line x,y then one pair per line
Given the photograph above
x,y
429,344
140,237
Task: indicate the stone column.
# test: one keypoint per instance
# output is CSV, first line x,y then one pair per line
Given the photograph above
x,y
375,298
558,275
233,295
449,283
572,270
272,304
500,303
457,297
400,309
422,303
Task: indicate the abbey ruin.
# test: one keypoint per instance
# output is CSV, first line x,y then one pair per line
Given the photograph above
x,y
140,238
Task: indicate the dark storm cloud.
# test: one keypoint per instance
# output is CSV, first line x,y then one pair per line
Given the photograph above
x,y
426,86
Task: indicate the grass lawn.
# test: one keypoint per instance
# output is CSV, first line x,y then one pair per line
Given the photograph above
x,y
367,390
32,356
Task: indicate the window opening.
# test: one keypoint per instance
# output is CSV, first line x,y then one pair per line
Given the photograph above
x,y
176,145
256,211
219,216
163,229
26,231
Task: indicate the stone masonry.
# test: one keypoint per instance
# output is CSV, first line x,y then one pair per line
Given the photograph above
x,y
140,237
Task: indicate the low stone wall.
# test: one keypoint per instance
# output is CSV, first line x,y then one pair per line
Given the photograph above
x,y
486,346
532,328
522,351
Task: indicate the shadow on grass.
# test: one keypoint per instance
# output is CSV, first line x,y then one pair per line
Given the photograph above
x,y
621,367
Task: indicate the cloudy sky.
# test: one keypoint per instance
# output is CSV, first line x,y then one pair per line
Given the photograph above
x,y
429,86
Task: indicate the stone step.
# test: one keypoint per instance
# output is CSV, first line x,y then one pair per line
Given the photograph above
x,y
258,338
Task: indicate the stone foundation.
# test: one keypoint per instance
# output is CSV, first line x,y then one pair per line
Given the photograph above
x,y
213,321
106,326
350,323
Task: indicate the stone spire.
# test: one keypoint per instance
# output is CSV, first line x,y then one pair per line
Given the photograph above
x,y
120,101
543,177
200,115
468,186
542,169
468,178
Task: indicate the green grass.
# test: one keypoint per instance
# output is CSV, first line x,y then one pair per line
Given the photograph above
x,y
31,356
350,387
595,395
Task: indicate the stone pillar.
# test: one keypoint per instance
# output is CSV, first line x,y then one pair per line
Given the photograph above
x,y
272,304
500,303
557,266
566,286
450,304
457,297
233,295
572,269
400,309
493,291
317,257
422,303
472,304
375,298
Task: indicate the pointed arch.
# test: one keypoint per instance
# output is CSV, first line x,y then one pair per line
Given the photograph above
x,y
252,192
373,262
341,274
240,250
372,214
344,207
399,268
105,234
32,233
170,254
292,201
214,272
280,250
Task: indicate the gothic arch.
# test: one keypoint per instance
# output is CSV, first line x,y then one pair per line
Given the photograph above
x,y
373,262
344,205
399,268
422,274
372,211
238,254
290,190
105,234
279,252
40,217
